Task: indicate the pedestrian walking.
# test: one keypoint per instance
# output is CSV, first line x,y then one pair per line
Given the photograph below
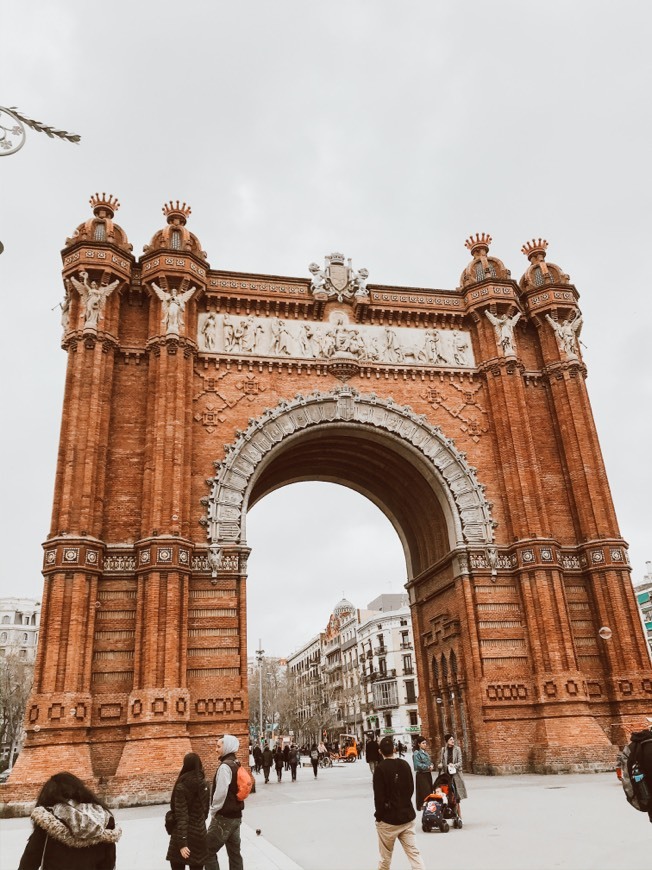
x,y
226,808
258,758
314,758
267,760
294,760
394,813
423,768
72,828
189,803
286,756
372,754
450,762
279,761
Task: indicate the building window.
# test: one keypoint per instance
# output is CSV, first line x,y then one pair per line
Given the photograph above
x,y
382,666
385,695
175,240
388,720
25,637
538,276
410,695
404,622
3,636
5,619
407,664
99,233
414,717
23,654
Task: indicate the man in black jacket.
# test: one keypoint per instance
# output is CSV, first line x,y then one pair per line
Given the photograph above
x,y
393,789
372,754
226,808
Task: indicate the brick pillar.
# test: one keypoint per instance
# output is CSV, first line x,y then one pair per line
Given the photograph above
x,y
59,711
159,703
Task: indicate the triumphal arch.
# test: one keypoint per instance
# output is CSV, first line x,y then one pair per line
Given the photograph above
x,y
192,392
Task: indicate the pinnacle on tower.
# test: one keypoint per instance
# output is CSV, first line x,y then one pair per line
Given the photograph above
x,y
176,211
534,248
100,203
478,244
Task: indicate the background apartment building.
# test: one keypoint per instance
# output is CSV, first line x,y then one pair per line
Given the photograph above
x,y
386,652
644,598
19,627
359,674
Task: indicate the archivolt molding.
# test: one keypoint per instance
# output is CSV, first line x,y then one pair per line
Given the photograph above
x,y
225,518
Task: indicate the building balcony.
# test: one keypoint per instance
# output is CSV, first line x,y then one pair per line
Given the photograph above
x,y
383,675
406,646
408,671
380,650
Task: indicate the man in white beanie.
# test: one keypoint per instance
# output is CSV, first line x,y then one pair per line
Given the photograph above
x,y
226,809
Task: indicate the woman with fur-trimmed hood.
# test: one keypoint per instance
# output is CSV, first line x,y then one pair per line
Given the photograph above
x,y
73,830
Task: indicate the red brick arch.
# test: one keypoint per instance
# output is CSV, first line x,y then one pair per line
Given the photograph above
x,y
361,441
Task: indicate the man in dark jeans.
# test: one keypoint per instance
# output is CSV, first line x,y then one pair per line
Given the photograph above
x,y
226,809
393,789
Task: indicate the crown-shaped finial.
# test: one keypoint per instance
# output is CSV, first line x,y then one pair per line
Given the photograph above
x,y
178,210
100,202
536,246
336,257
480,241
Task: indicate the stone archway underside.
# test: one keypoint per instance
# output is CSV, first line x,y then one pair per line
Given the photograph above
x,y
434,482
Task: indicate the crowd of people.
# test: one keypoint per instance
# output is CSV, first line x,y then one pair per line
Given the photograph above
x,y
74,829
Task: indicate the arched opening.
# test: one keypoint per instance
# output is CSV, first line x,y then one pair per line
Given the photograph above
x,y
393,457
378,467
314,547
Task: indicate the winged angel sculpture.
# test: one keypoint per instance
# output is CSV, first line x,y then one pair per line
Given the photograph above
x,y
174,304
93,297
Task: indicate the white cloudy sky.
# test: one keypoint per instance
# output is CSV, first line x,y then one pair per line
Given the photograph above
x,y
388,131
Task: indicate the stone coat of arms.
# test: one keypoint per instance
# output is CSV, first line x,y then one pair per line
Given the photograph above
x,y
338,279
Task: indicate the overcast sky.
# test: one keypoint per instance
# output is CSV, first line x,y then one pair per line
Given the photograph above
x,y
387,131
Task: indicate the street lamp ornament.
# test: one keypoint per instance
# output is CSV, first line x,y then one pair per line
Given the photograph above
x,y
12,131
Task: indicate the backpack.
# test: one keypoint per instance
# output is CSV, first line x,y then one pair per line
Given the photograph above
x,y
634,784
245,783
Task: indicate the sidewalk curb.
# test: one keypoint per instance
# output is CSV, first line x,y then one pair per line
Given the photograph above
x,y
259,847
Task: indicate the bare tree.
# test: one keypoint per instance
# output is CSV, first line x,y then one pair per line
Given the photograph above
x,y
16,676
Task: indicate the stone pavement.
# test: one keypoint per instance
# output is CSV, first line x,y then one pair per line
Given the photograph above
x,y
575,822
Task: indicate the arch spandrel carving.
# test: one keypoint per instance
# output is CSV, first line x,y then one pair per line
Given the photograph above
x,y
451,477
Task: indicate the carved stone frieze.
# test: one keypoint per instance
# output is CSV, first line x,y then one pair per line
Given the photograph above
x,y
119,562
336,339
226,562
472,515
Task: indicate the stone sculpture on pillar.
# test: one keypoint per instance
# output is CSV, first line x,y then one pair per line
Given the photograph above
x,y
93,296
504,328
174,304
566,334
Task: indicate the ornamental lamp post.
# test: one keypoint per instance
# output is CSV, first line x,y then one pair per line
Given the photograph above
x,y
260,652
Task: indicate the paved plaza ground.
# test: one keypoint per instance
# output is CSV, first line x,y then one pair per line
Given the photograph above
x,y
576,822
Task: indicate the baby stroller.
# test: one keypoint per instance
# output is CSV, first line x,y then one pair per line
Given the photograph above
x,y
447,784
432,814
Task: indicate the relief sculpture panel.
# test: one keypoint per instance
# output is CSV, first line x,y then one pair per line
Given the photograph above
x,y
336,338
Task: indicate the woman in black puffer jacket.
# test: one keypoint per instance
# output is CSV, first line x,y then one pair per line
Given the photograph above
x,y
189,802
73,829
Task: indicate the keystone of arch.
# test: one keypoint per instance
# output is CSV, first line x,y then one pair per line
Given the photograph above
x,y
234,475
